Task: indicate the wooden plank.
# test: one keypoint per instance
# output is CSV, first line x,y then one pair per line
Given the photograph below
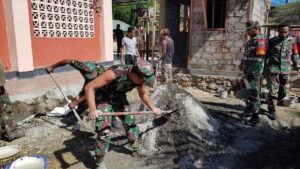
x,y
190,33
203,4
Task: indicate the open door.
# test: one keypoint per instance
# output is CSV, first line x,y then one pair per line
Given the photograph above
x,y
177,20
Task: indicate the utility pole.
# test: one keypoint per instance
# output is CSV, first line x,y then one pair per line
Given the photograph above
x,y
153,30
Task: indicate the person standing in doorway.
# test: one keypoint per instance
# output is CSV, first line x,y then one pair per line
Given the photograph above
x,y
129,45
167,55
119,36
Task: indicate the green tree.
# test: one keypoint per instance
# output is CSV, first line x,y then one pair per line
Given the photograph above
x,y
126,11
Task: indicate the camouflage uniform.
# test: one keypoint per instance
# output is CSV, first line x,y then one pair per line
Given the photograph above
x,y
112,98
253,69
89,71
280,58
7,124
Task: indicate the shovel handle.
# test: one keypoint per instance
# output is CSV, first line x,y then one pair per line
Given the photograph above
x,y
58,86
130,113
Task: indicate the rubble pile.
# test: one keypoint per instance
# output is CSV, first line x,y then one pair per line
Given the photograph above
x,y
180,139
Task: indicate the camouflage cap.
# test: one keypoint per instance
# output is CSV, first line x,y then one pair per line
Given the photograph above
x,y
146,71
251,24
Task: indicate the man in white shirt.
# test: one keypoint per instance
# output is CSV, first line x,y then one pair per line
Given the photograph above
x,y
129,43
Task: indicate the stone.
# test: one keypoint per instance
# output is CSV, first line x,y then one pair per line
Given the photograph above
x,y
235,50
238,44
212,86
219,82
227,83
186,84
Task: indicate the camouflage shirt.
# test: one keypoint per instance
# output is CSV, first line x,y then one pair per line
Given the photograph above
x,y
253,64
115,92
88,70
280,55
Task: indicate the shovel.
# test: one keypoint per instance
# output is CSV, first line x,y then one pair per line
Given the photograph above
x,y
33,115
74,111
133,113
156,71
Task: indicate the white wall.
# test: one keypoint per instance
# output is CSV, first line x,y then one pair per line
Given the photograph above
x,y
19,38
106,34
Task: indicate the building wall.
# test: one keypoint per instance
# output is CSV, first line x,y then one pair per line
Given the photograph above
x,y
54,45
4,52
219,51
259,11
32,39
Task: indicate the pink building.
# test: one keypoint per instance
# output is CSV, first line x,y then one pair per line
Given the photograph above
x,y
37,33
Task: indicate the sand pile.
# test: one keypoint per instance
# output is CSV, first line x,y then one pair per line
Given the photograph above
x,y
180,139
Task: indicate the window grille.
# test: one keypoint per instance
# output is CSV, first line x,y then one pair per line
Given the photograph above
x,y
63,18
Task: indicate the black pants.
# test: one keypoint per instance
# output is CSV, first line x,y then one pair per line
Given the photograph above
x,y
130,59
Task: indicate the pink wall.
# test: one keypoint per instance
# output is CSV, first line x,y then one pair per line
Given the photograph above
x,y
4,51
50,50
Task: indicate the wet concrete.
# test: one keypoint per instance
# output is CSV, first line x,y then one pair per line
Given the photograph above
x,y
40,105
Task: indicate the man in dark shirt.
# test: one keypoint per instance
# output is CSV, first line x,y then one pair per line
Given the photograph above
x,y
119,35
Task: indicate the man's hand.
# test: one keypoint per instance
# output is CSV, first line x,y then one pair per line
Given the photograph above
x,y
295,72
157,111
49,69
92,114
72,105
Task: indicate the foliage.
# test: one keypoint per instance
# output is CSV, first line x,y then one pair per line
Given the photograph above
x,y
126,11
289,13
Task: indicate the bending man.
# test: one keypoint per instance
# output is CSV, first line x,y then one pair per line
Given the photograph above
x,y
111,88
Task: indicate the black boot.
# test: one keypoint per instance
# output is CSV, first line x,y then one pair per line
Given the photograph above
x,y
271,115
253,121
246,116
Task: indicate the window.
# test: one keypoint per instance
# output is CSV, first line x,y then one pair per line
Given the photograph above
x,y
216,11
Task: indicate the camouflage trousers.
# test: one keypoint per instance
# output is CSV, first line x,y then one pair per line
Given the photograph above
x,y
278,86
8,125
253,100
167,72
103,125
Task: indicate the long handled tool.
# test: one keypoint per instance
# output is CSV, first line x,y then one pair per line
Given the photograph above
x,y
74,111
29,118
132,113
156,71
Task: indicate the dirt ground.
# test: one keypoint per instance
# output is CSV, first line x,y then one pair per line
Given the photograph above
x,y
220,141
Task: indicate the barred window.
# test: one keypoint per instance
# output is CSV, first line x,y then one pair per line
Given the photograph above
x,y
216,12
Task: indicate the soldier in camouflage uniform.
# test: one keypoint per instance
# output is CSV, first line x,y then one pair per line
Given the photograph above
x,y
112,87
7,124
252,66
281,55
89,71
